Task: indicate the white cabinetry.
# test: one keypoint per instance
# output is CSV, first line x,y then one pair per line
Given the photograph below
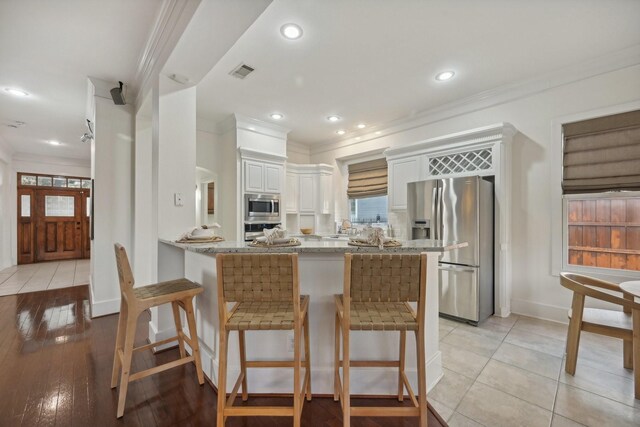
x,y
292,194
401,172
308,184
309,196
262,177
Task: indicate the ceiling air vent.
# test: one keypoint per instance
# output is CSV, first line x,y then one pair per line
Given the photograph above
x,y
241,71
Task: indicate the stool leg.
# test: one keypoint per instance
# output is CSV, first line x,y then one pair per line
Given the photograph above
x,y
336,359
130,334
178,322
573,333
193,334
122,325
297,404
627,351
307,355
422,377
403,341
222,377
346,398
243,365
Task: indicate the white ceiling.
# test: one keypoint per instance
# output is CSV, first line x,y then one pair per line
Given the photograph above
x,y
48,48
374,61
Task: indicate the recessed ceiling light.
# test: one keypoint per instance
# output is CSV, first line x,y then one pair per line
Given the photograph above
x,y
16,92
291,31
333,118
341,132
361,126
357,138
251,128
53,142
378,133
277,116
445,75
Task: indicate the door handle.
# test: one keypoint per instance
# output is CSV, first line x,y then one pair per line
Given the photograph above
x,y
434,213
458,269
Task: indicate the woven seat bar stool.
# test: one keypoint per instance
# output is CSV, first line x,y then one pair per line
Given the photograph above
x,y
377,292
265,292
133,302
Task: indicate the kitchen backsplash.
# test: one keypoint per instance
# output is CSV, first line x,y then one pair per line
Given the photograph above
x,y
398,222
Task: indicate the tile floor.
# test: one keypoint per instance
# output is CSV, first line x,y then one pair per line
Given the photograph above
x,y
510,372
43,276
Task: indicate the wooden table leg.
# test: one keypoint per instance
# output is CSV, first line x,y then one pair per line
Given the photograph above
x,y
636,352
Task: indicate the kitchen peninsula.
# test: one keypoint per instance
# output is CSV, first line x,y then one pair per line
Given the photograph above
x,y
321,266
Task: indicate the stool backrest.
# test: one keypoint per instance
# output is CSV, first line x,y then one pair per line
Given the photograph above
x,y
384,277
257,277
124,269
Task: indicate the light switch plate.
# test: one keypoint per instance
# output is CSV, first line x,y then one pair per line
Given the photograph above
x,y
177,199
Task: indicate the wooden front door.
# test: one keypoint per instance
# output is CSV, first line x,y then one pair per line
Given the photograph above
x,y
59,225
26,226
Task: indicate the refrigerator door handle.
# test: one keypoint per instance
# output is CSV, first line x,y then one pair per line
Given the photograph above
x,y
454,268
440,213
434,213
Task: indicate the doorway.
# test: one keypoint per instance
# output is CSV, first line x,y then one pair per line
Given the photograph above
x,y
53,218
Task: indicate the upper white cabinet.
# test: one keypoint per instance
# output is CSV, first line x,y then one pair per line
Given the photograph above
x,y
253,176
309,189
262,175
308,184
292,194
273,178
401,172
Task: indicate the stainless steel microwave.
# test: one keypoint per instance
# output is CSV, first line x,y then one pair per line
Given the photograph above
x,y
262,207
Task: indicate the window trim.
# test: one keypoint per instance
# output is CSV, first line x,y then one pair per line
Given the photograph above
x,y
611,274
555,191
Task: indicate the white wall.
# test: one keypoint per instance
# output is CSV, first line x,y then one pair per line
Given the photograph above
x,y
298,153
5,214
535,291
112,170
177,162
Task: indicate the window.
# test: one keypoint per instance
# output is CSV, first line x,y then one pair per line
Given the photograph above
x,y
601,202
25,205
367,192
604,231
369,210
28,180
59,206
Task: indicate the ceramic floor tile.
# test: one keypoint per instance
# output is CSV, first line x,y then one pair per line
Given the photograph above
x,y
442,409
495,408
451,388
542,327
489,330
534,361
536,342
462,361
598,358
504,321
560,421
443,330
601,342
4,277
602,383
9,290
449,322
9,270
472,341
593,410
459,420
530,387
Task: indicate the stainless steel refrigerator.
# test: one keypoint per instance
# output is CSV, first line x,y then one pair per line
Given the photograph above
x,y
458,210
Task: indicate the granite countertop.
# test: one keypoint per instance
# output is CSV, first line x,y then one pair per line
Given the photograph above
x,y
325,245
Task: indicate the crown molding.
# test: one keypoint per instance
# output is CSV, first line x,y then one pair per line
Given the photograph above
x,y
309,168
298,148
51,160
485,134
247,153
614,61
173,18
259,126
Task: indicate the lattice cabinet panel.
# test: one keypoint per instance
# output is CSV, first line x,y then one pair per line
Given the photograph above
x,y
458,163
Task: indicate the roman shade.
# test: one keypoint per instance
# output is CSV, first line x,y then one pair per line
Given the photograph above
x,y
367,179
602,154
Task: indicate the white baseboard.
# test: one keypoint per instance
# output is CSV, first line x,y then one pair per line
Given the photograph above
x,y
103,308
540,311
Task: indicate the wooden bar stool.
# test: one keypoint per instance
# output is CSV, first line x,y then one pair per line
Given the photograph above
x,y
377,292
266,291
133,302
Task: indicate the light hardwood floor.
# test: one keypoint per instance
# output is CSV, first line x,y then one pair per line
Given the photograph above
x,y
44,276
